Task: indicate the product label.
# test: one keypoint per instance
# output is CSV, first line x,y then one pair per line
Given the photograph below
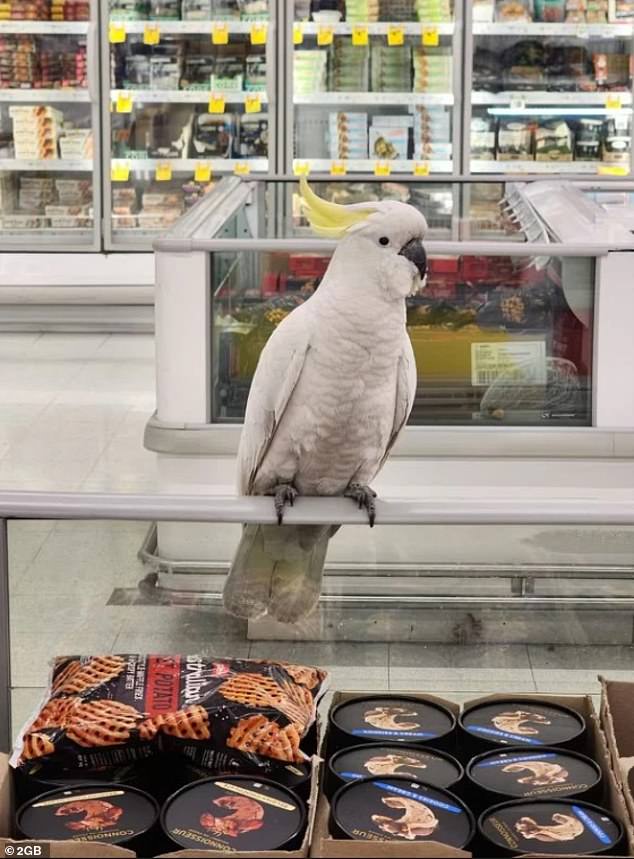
x,y
360,35
395,35
151,34
503,762
480,729
258,34
430,37
592,825
376,732
428,800
519,363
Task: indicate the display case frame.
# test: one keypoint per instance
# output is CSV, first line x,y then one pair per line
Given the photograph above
x,y
140,240
61,240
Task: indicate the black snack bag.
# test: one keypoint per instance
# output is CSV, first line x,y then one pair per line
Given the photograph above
x,y
105,711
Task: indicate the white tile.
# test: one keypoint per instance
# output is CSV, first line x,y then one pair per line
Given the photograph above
x,y
55,346
24,703
575,681
455,656
12,345
467,680
125,347
25,541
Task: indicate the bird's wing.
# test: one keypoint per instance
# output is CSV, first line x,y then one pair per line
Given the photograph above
x,y
405,393
278,371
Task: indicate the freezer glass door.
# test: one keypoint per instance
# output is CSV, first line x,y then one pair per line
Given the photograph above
x,y
375,86
49,121
551,87
191,87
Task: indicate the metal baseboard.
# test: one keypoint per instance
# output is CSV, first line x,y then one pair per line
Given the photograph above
x,y
200,582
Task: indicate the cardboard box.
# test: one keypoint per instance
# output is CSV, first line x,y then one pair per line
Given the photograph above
x,y
323,845
87,849
617,711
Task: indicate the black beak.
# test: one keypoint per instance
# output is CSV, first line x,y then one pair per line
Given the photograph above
x,y
415,252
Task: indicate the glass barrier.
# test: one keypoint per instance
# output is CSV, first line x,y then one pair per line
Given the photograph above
x,y
496,339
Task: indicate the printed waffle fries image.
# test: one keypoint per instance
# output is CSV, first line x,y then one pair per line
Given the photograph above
x,y
55,714
99,670
259,736
189,724
258,691
102,723
37,746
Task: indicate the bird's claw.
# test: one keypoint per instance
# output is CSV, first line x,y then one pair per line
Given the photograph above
x,y
283,494
365,498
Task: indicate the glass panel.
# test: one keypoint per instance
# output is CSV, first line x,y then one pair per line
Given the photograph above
x,y
496,339
551,88
190,91
47,120
374,87
457,611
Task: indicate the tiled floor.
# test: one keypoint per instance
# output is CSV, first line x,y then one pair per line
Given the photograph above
x,y
72,413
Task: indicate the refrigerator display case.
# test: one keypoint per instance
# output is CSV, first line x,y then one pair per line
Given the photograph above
x,y
49,126
192,97
519,339
551,87
374,87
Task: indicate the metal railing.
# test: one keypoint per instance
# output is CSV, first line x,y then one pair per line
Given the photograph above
x,y
591,510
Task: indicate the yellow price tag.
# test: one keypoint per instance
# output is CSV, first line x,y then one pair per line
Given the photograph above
x,y
613,101
421,168
613,170
116,34
242,168
124,102
325,36
220,34
431,37
301,168
163,172
202,172
298,34
360,36
338,168
151,34
259,33
120,172
395,36
382,168
253,102
216,103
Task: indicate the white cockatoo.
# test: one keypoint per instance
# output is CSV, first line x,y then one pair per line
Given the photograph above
x,y
333,389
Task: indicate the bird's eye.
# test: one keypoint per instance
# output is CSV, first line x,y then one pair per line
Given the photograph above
x,y
384,240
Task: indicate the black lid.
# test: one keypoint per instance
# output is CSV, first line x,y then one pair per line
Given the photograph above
x,y
414,762
551,826
399,809
520,772
239,813
113,813
522,722
399,718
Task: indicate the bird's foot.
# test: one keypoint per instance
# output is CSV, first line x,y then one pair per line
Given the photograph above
x,y
365,498
283,494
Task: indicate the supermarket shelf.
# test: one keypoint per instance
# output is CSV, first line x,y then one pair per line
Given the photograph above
x,y
591,168
368,166
389,98
180,96
44,96
50,165
581,31
189,165
549,98
46,28
310,28
186,27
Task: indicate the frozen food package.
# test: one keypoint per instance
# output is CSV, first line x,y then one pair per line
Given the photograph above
x,y
107,710
514,141
550,11
253,138
553,141
483,138
213,136
513,10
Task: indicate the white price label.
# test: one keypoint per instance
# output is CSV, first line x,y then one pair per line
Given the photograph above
x,y
518,362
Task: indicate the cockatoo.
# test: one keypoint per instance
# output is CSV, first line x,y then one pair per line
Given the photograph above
x,y
333,389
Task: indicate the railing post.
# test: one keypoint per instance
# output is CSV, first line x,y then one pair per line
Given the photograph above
x,y
5,642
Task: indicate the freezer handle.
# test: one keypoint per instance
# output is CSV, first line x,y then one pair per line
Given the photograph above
x,y
92,48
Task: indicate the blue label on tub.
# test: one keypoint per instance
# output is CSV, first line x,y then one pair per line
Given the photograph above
x,y
480,729
592,825
376,732
351,776
436,803
516,760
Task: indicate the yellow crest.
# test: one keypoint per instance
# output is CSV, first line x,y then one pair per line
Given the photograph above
x,y
330,220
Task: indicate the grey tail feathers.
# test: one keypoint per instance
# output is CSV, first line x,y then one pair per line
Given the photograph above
x,y
277,571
